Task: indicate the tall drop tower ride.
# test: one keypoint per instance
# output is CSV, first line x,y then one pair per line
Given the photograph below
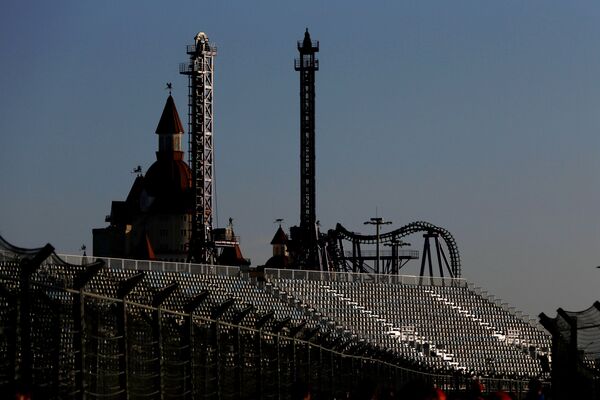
x,y
200,70
307,65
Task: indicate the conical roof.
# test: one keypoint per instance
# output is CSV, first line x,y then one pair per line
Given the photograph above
x,y
280,237
169,123
233,256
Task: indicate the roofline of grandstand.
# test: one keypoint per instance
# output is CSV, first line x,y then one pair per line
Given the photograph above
x,y
169,266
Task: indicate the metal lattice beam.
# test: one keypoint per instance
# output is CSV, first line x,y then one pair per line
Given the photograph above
x,y
200,70
335,236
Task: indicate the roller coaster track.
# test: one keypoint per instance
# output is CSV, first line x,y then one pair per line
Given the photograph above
x,y
340,232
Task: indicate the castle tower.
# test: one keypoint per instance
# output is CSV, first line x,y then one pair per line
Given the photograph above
x,y
200,69
153,221
170,133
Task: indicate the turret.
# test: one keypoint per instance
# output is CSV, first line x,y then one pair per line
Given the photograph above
x,y
279,243
170,133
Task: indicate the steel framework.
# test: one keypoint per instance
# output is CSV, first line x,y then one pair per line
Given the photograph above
x,y
355,261
200,70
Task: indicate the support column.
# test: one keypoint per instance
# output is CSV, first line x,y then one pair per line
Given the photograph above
x,y
125,287
187,341
157,300
28,266
79,325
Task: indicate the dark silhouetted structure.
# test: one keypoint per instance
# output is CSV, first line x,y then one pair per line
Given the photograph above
x,y
153,222
200,70
305,238
575,352
360,260
307,65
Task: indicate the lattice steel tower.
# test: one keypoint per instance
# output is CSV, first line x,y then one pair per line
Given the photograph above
x,y
307,64
200,70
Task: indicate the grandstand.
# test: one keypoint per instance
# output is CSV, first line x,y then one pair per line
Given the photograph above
x,y
116,328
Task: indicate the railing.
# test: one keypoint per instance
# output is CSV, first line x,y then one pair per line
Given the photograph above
x,y
298,64
163,266
363,277
313,43
233,239
191,49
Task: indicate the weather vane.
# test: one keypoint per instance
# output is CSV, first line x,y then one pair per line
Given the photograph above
x,y
169,87
137,170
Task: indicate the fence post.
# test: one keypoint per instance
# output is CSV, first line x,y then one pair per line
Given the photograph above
x,y
79,324
28,266
308,363
187,340
11,335
125,287
157,300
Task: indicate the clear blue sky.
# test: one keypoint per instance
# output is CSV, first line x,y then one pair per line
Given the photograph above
x,y
481,117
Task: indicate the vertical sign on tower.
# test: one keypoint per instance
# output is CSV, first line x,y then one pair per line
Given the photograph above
x,y
200,70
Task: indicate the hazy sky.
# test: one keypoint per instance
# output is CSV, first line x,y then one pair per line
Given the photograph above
x,y
481,117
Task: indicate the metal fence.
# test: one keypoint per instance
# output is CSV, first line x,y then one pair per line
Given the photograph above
x,y
62,339
96,347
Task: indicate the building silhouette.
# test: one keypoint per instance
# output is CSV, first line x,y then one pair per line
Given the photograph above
x,y
153,222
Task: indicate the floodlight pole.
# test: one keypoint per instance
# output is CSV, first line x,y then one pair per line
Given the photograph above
x,y
377,221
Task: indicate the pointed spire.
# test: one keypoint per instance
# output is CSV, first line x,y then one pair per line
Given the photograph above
x,y
169,123
307,43
280,237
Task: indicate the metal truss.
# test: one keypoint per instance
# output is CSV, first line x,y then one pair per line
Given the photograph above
x,y
200,70
356,259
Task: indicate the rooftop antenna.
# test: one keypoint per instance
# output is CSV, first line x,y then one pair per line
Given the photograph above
x,y
377,221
